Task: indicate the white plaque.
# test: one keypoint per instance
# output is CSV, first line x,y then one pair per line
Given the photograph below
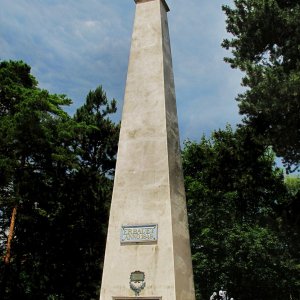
x,y
139,233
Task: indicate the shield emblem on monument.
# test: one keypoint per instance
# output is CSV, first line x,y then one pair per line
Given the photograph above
x,y
137,282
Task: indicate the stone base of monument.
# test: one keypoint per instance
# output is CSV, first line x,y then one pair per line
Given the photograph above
x,y
143,298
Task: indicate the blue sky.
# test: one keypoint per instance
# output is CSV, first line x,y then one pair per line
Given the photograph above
x,y
75,45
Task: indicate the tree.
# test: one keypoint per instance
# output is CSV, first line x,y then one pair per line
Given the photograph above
x,y
57,170
27,117
87,199
234,193
265,45
288,215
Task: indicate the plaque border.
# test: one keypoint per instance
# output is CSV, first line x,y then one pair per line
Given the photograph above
x,y
145,242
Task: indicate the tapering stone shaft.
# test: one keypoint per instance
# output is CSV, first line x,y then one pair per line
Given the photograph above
x,y
148,187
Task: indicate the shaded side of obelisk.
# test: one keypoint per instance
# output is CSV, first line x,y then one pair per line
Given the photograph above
x,y
148,187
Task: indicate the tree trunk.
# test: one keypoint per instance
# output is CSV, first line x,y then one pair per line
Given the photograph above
x,y
10,236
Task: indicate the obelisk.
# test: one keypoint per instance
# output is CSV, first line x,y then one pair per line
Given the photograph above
x,y
148,249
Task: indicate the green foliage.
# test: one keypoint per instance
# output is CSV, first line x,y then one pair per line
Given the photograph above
x,y
293,184
57,171
99,144
265,45
236,199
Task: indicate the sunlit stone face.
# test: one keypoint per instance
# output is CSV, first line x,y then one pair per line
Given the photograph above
x,y
148,229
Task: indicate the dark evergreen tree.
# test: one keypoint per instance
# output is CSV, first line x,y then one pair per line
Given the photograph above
x,y
56,171
234,192
28,118
265,46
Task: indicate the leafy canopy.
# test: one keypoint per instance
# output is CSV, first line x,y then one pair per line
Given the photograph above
x,y
237,203
265,46
56,170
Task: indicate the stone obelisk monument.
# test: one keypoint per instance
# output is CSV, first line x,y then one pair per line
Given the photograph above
x,y
148,249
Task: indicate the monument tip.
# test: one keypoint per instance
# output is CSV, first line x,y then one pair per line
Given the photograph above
x,y
163,2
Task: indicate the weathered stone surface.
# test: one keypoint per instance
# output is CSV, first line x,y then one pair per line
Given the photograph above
x,y
148,187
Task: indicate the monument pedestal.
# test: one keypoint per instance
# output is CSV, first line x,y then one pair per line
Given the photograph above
x,y
131,298
148,250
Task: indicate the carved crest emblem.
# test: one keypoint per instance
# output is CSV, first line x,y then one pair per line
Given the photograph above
x,y
137,282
